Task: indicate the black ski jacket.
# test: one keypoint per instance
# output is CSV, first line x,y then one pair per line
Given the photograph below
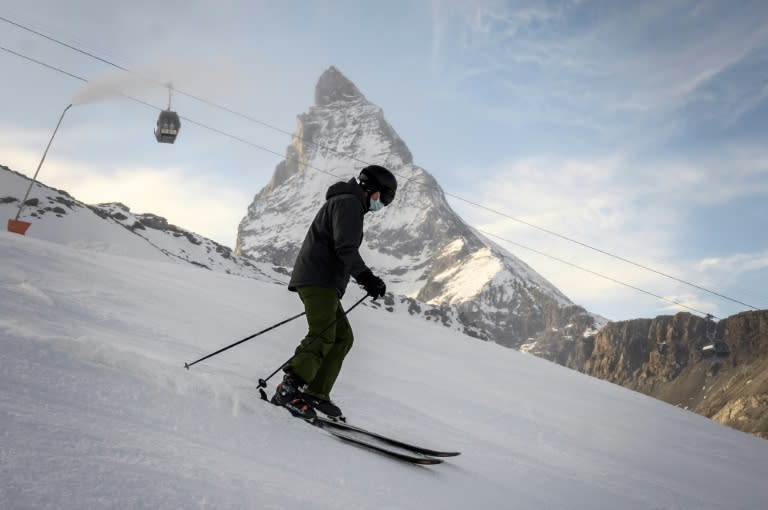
x,y
329,254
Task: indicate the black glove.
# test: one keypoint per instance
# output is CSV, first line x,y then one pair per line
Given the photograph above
x,y
372,284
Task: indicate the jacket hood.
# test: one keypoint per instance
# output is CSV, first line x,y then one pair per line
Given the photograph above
x,y
351,187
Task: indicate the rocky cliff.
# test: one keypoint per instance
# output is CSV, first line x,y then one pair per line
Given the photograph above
x,y
662,358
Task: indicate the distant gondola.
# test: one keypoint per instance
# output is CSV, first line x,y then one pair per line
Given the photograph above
x,y
168,125
713,348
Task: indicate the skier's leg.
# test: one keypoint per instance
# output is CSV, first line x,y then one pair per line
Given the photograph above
x,y
329,369
321,305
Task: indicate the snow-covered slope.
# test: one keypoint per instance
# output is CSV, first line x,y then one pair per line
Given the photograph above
x,y
97,411
419,244
57,216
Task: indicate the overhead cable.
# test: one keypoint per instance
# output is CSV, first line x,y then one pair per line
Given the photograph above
x,y
318,145
260,147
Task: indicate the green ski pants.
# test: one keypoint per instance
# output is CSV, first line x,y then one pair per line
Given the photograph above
x,y
319,360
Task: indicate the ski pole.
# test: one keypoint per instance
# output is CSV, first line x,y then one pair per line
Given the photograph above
x,y
263,382
187,365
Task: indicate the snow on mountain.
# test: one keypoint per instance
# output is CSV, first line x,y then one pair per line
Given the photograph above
x,y
57,216
419,245
97,410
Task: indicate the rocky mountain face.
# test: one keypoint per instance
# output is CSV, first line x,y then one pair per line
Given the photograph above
x,y
427,255
662,358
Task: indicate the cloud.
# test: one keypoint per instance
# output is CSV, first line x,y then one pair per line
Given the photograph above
x,y
689,302
734,264
580,199
724,99
619,71
639,211
587,198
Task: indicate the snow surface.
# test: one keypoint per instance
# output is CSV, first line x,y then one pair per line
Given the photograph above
x,y
466,280
60,218
80,228
97,411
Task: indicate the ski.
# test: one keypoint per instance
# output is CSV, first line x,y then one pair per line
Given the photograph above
x,y
379,443
407,457
337,428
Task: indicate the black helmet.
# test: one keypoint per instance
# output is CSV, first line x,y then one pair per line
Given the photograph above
x,y
377,178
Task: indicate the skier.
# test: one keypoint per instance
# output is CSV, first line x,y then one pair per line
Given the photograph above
x,y
327,258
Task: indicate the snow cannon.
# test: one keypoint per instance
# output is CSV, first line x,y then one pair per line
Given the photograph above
x,y
18,226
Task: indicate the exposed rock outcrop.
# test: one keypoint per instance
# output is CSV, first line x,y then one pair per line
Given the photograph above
x,y
662,358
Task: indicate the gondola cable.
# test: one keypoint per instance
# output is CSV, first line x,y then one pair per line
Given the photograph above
x,y
248,142
452,195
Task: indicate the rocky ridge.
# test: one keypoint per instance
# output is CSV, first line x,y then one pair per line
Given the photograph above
x,y
59,217
662,358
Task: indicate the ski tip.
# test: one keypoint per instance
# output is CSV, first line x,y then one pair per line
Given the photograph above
x,y
445,454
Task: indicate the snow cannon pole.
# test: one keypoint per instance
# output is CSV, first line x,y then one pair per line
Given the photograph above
x,y
16,225
187,365
263,382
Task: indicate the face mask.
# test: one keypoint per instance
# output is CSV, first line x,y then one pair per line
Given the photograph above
x,y
376,205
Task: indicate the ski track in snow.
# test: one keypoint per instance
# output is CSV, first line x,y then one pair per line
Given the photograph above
x,y
97,411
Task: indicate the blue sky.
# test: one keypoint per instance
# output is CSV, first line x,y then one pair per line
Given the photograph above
x,y
635,127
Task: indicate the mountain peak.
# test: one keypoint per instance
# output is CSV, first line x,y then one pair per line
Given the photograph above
x,y
421,246
334,86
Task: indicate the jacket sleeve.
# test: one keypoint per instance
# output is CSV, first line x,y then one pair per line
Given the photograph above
x,y
347,228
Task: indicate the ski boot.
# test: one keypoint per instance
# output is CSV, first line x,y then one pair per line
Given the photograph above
x,y
288,394
326,407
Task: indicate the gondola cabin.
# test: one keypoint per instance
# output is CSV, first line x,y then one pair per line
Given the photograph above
x,y
715,349
168,126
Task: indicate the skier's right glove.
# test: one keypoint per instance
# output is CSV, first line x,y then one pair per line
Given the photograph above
x,y
373,285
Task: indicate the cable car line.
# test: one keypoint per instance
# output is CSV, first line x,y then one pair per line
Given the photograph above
x,y
609,278
617,257
150,105
281,155
49,66
62,43
452,195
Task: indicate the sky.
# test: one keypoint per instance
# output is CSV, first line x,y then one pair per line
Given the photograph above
x,y
636,128
98,411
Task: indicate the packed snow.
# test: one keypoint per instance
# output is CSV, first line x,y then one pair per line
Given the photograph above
x,y
465,281
97,410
